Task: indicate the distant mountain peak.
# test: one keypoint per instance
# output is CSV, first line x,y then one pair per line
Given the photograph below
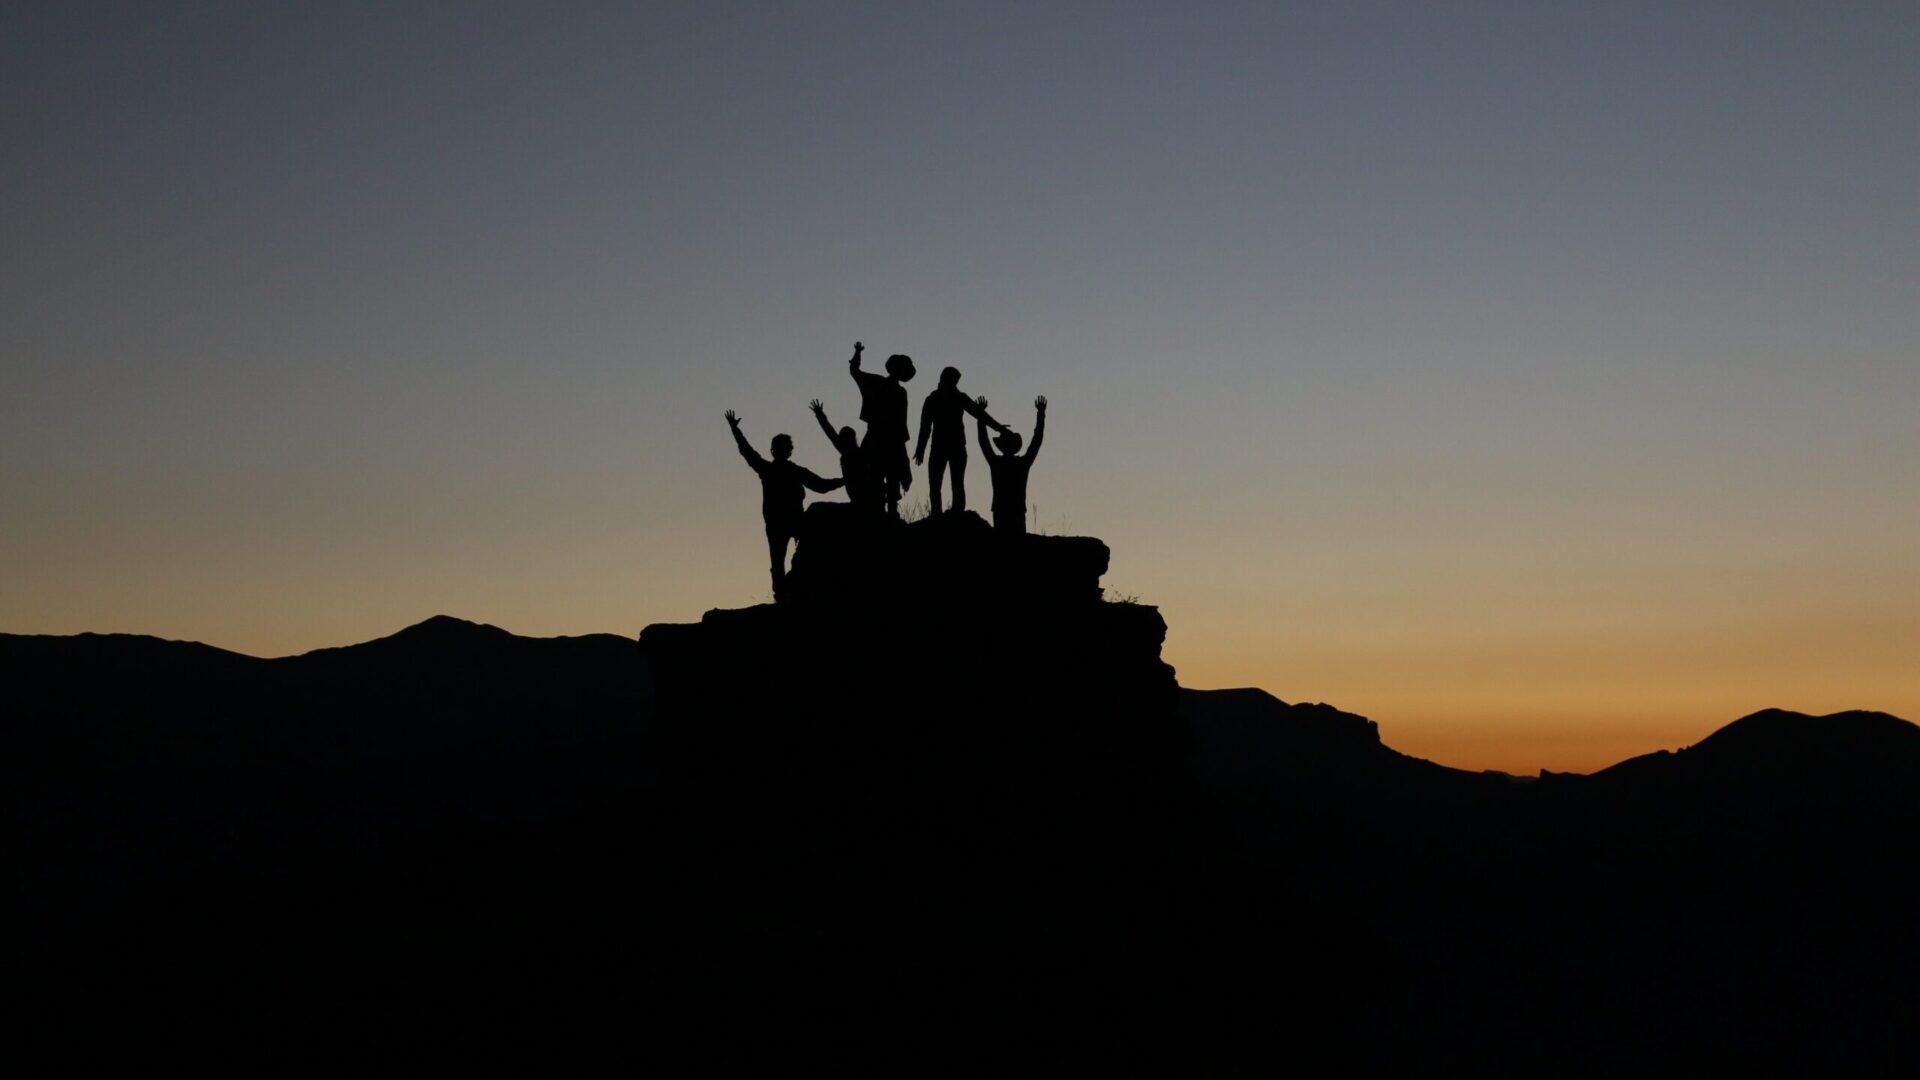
x,y
441,634
1789,746
1783,727
445,627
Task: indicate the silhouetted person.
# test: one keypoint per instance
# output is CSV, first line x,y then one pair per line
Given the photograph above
x,y
783,494
883,405
1010,468
854,469
940,418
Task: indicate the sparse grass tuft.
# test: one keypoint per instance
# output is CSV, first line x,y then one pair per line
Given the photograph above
x,y
1060,526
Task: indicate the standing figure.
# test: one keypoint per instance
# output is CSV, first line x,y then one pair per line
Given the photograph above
x,y
853,460
783,495
1010,468
883,405
940,418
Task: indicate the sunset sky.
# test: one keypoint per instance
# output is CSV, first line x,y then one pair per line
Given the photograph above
x,y
1538,379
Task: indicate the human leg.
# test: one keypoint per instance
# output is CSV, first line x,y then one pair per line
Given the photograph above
x,y
957,463
936,466
777,555
900,478
881,458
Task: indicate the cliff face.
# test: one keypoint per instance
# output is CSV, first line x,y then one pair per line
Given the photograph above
x,y
942,761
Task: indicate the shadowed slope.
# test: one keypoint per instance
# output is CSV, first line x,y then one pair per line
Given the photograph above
x,y
307,842
990,815
945,763
1746,901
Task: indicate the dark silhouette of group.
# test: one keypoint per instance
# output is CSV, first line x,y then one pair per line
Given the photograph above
x,y
875,470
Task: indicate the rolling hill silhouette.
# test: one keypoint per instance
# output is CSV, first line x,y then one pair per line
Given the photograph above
x,y
945,796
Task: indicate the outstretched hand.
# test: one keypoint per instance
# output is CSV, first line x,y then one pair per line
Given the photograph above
x,y
859,347
982,402
1040,403
816,406
733,418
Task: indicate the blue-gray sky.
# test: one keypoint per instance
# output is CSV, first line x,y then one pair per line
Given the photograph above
x,y
1536,378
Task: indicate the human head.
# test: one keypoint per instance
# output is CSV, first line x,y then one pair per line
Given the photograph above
x,y
949,378
849,439
782,447
1008,442
900,366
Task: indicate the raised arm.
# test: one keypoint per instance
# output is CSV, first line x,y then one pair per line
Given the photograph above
x,y
739,440
820,414
980,428
979,412
1039,425
866,380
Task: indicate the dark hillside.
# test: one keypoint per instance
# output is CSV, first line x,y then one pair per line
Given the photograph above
x,y
940,806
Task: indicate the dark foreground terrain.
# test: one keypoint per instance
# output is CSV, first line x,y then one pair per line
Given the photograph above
x,y
1001,839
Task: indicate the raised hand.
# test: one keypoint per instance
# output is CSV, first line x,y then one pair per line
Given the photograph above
x,y
1040,403
859,347
733,418
816,406
982,402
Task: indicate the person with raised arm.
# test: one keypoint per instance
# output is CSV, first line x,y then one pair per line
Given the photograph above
x,y
1010,468
783,494
853,460
883,406
942,418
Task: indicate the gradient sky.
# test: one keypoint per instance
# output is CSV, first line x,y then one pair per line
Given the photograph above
x,y
1538,379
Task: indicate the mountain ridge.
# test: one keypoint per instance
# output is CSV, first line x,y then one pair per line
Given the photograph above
x,y
752,834
445,632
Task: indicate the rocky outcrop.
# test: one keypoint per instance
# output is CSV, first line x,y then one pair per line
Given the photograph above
x,y
942,759
939,645
941,794
848,558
